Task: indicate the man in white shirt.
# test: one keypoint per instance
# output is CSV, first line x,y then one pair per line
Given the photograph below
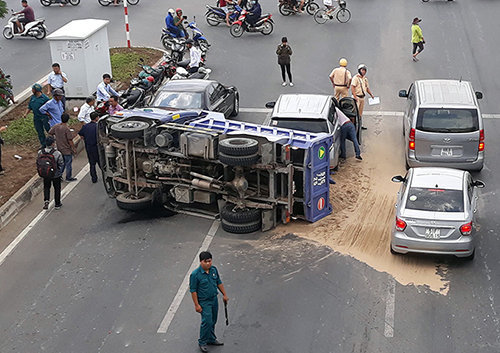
x,y
56,80
347,131
104,90
195,57
86,109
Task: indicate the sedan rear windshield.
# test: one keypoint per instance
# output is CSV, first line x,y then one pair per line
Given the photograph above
x,y
178,100
308,125
435,200
447,120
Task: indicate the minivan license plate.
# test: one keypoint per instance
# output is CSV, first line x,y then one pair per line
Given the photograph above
x,y
432,233
447,152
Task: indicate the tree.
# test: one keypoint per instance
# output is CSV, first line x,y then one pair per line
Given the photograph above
x,y
3,9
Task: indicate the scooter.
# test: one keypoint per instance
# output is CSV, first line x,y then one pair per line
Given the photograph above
x,y
135,95
158,74
177,48
199,40
264,25
108,2
50,2
286,7
203,73
216,15
35,28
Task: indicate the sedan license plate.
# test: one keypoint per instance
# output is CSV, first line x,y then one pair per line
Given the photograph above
x,y
432,233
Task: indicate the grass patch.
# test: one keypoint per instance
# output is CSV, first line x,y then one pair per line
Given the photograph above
x,y
21,131
124,65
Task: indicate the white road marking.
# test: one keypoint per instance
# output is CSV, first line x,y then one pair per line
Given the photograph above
x,y
176,303
9,249
390,306
366,112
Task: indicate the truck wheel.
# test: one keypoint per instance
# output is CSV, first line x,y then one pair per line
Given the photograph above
x,y
238,146
241,228
129,129
129,202
238,161
237,215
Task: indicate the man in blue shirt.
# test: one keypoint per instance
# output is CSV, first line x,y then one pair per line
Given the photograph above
x,y
89,134
57,79
104,90
41,121
203,285
171,27
54,107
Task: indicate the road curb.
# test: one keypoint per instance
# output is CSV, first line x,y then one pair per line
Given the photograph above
x,y
27,193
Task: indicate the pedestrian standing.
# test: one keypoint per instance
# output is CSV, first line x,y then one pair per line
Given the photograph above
x,y
347,132
203,285
2,128
56,80
65,145
86,109
417,38
40,120
54,108
89,134
359,89
341,79
284,53
57,170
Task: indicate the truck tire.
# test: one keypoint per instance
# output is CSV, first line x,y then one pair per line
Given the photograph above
x,y
129,129
238,146
241,228
129,202
239,216
238,161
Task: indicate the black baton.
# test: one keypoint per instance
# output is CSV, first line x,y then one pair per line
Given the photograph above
x,y
225,311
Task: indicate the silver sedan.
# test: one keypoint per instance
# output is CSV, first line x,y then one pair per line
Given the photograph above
x,y
435,212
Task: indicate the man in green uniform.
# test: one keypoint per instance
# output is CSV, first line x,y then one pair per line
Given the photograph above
x,y
203,285
41,121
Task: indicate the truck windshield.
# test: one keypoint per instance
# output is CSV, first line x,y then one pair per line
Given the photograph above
x,y
178,100
447,120
309,125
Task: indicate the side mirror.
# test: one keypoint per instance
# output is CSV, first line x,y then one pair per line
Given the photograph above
x,y
479,184
403,94
479,95
398,179
270,105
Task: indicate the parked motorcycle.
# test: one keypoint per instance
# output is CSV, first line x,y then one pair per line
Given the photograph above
x,y
203,73
35,28
108,2
286,7
7,87
157,73
216,15
50,2
177,48
137,94
264,25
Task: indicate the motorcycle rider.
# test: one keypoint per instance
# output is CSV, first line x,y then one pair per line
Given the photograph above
x,y
178,22
169,21
195,57
254,13
29,16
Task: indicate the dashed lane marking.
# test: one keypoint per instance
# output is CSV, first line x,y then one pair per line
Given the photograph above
x,y
390,306
176,303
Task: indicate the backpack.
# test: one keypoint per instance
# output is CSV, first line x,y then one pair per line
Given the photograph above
x,y
46,164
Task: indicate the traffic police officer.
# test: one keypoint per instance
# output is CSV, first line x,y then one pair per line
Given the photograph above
x,y
203,285
341,79
360,88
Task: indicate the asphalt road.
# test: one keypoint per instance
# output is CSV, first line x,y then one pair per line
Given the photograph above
x,y
92,278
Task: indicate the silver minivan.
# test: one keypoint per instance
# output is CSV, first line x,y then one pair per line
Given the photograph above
x,y
442,125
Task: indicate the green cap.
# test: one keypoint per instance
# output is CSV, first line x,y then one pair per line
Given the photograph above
x,y
37,87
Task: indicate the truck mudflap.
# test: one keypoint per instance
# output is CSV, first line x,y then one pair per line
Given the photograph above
x,y
316,180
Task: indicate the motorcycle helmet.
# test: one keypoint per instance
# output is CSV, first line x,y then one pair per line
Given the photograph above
x,y
343,62
171,11
178,9
150,79
361,66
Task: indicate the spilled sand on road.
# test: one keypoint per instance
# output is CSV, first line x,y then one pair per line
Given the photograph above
x,y
363,212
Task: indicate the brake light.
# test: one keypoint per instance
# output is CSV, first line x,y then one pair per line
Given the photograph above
x,y
400,224
466,229
411,144
481,140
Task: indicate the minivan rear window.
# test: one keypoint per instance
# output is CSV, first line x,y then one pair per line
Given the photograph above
x,y
447,120
435,200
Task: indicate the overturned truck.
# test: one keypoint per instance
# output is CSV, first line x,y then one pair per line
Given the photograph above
x,y
250,176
